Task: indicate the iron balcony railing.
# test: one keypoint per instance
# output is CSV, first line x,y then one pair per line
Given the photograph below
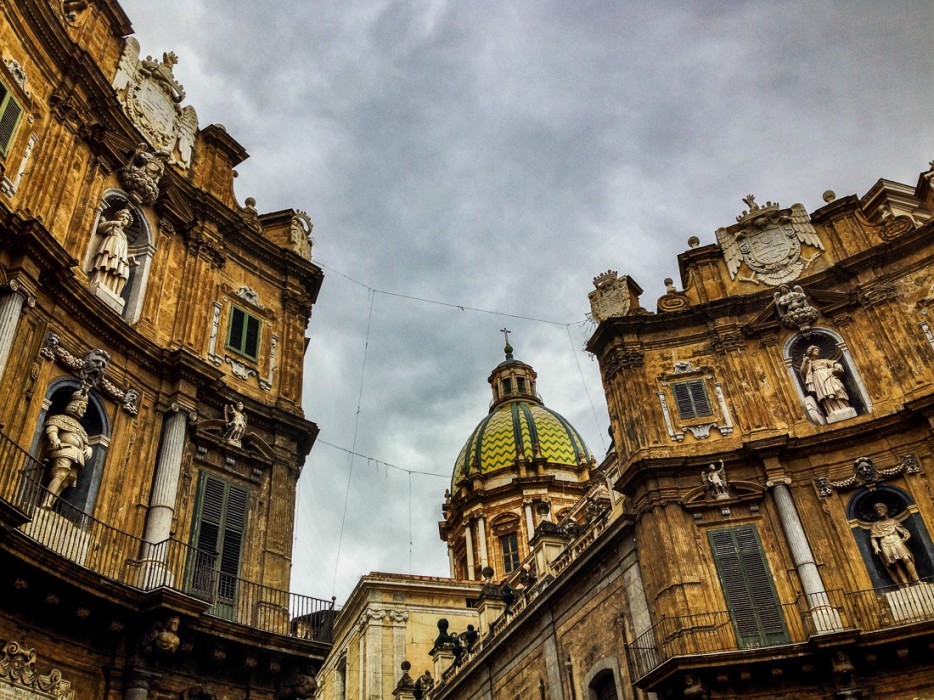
x,y
716,632
131,561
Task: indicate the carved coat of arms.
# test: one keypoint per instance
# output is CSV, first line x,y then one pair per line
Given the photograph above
x,y
152,97
768,240
611,296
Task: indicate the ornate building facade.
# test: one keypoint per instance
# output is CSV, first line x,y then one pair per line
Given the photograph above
x,y
152,335
769,530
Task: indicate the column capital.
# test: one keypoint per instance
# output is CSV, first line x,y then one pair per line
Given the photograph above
x,y
18,285
772,483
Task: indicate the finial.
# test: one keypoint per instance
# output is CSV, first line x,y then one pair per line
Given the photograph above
x,y
829,196
693,242
508,348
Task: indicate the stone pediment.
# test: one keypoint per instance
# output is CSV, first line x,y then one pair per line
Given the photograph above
x,y
151,97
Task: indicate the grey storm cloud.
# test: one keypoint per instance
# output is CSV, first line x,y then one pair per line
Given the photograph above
x,y
498,155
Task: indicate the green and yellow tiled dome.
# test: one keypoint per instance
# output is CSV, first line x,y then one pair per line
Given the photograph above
x,y
510,431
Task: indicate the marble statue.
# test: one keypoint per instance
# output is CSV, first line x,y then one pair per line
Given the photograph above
x,y
889,541
715,481
67,446
112,261
822,378
236,422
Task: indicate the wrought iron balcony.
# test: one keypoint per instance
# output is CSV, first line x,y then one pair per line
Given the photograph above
x,y
717,632
126,559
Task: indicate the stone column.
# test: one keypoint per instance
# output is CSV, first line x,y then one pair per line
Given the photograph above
x,y
452,565
11,309
468,534
162,499
481,532
137,687
374,656
824,616
529,519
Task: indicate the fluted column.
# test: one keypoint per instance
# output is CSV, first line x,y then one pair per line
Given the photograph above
x,y
155,570
11,309
824,616
468,535
481,533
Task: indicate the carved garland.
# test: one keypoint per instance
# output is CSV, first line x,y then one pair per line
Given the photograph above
x,y
18,669
52,350
866,474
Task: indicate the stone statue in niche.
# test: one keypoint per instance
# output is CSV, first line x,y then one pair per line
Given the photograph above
x,y
822,378
236,422
112,261
67,446
889,540
715,484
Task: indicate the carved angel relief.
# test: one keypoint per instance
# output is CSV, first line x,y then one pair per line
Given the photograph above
x,y
768,240
151,98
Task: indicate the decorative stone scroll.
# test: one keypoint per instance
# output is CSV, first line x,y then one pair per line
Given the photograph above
x,y
18,672
768,241
866,474
16,70
91,371
300,239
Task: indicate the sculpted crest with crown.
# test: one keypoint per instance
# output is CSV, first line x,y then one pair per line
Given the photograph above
x,y
152,97
768,240
610,298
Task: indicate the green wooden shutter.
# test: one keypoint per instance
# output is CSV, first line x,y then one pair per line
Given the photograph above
x,y
748,587
683,399
251,341
218,531
9,117
699,397
235,332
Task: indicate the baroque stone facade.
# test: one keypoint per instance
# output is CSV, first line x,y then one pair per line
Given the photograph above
x,y
152,334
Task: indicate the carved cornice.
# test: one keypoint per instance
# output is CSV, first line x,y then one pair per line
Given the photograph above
x,y
866,474
18,669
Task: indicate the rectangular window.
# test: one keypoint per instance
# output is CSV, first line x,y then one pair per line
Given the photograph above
x,y
748,587
217,533
10,112
507,386
510,546
243,333
521,381
692,400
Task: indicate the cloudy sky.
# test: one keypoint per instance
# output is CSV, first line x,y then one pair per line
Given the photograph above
x,y
496,156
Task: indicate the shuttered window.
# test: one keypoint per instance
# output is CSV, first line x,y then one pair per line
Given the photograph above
x,y
219,526
691,398
243,333
10,112
748,587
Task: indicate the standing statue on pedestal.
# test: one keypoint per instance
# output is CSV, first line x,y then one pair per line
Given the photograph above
x,y
67,446
715,481
822,378
889,541
236,422
111,268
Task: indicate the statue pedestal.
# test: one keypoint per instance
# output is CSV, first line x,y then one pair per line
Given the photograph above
x,y
108,297
838,416
911,602
59,534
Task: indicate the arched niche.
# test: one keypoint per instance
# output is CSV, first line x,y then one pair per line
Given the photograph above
x,y
861,514
832,347
602,680
83,494
141,248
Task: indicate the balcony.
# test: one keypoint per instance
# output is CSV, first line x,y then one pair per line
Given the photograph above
x,y
122,558
718,633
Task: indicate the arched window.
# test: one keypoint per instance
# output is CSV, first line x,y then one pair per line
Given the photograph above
x,y
603,686
826,378
82,496
140,248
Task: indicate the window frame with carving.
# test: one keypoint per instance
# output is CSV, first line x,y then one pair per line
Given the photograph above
x,y
247,317
697,422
